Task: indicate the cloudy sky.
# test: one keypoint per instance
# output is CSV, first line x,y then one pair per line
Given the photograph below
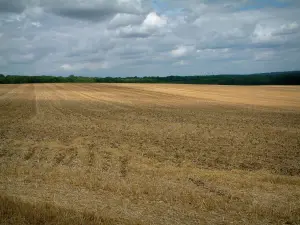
x,y
148,37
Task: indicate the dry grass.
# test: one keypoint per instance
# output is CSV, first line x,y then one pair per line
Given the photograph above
x,y
15,211
149,154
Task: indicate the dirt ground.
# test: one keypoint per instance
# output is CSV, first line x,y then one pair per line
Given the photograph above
x,y
149,154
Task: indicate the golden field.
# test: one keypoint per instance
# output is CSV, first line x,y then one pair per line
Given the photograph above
x,y
149,154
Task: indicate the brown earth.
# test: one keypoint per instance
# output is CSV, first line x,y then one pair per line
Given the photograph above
x,y
149,154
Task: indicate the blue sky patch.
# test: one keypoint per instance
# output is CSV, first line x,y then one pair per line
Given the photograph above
x,y
164,7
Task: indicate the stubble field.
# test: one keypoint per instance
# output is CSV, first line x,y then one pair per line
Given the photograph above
x,y
149,154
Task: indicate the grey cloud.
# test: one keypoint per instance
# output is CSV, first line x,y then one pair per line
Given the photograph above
x,y
21,59
88,58
12,6
92,10
85,13
122,19
134,34
131,52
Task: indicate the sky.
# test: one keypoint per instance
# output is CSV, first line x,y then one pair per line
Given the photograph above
x,y
148,37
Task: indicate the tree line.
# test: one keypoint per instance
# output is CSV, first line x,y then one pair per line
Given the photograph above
x,y
276,78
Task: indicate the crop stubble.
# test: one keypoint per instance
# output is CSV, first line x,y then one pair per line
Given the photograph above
x,y
149,154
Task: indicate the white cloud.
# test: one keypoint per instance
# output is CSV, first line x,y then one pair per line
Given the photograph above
x,y
153,20
288,28
262,34
88,66
36,24
273,32
181,63
68,67
151,25
181,51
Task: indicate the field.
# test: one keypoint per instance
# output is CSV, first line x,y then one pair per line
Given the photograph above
x,y
149,154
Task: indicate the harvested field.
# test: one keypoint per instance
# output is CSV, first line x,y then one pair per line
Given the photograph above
x,y
149,154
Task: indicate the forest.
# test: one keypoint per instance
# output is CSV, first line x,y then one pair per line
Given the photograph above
x,y
274,78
